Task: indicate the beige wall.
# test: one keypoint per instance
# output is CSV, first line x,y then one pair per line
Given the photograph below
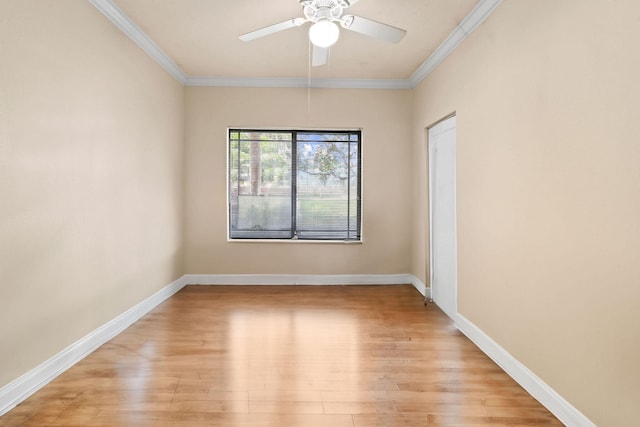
x,y
384,117
547,95
91,135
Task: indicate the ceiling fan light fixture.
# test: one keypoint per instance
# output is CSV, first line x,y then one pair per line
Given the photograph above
x,y
324,33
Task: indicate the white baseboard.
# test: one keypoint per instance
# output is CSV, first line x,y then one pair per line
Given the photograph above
x,y
420,286
298,279
23,387
537,388
308,279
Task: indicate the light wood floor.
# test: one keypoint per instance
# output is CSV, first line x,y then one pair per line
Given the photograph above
x,y
357,356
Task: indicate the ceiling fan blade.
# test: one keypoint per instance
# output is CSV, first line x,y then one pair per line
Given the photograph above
x,y
271,29
320,56
373,28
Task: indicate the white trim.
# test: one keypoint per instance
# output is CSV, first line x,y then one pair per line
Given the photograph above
x,y
297,279
537,388
305,279
139,37
20,389
420,286
298,83
478,14
23,387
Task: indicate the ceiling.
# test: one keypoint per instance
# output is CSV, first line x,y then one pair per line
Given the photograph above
x,y
197,40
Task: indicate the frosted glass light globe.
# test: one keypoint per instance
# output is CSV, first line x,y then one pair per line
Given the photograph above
x,y
324,33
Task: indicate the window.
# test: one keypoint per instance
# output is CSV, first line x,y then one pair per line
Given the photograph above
x,y
292,184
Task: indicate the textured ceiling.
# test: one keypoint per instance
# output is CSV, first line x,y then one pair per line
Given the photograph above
x,y
201,37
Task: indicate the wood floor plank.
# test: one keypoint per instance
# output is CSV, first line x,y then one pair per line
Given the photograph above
x,y
257,356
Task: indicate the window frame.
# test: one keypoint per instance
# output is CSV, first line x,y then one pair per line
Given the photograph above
x,y
293,184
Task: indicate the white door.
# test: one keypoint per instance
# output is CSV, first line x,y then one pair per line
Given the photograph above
x,y
442,214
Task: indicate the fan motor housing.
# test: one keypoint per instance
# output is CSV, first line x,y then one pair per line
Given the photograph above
x,y
316,10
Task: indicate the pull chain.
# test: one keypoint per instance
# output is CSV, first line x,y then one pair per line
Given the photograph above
x,y
309,80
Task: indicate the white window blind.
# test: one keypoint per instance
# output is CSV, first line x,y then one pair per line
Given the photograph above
x,y
291,184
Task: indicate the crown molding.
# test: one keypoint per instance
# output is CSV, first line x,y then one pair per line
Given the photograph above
x,y
139,37
298,83
480,12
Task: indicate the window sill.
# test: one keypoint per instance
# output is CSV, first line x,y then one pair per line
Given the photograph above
x,y
302,241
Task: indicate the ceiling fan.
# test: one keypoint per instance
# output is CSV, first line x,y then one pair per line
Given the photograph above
x,y
324,32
